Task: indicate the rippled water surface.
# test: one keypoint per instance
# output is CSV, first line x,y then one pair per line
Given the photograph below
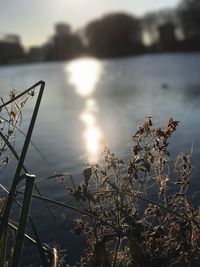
x,y
90,103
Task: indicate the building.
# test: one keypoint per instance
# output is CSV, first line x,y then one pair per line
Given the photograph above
x,y
11,50
64,44
62,29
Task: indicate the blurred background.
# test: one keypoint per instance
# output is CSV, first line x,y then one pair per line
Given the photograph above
x,y
107,65
65,29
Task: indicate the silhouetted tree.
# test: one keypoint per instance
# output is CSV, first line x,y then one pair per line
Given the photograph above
x,y
151,23
167,38
114,35
150,28
189,13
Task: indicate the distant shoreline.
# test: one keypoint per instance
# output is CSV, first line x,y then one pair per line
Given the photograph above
x,y
157,53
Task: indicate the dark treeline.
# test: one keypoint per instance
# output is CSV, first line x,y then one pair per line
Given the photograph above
x,y
115,35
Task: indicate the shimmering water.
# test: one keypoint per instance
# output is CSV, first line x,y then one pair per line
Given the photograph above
x,y
90,103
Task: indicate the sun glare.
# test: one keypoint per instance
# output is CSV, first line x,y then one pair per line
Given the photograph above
x,y
84,75
93,138
92,135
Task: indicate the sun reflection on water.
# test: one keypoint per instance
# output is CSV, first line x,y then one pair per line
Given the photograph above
x,y
92,134
84,74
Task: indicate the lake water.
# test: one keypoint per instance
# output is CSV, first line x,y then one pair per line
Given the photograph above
x,y
90,103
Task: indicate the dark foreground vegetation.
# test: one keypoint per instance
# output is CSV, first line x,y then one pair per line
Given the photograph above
x,y
137,211
115,35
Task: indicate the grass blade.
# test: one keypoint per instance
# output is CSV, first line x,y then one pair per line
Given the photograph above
x,y
39,245
54,258
8,205
14,228
84,212
40,83
37,241
19,242
3,246
31,142
17,178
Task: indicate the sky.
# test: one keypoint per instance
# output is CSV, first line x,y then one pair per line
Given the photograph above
x,y
34,20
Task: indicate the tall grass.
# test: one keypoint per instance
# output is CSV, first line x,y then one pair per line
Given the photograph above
x,y
136,213
14,113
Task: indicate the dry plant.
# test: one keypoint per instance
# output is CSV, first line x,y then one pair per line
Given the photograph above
x,y
10,120
137,212
138,215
